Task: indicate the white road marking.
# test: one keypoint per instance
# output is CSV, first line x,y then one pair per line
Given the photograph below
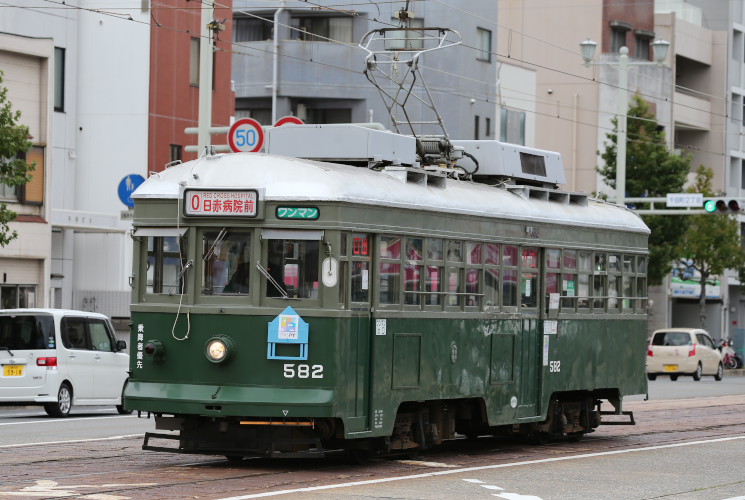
x,y
110,438
428,464
491,487
477,481
50,489
516,496
63,420
480,468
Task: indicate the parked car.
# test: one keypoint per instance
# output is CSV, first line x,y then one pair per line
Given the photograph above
x,y
60,358
683,351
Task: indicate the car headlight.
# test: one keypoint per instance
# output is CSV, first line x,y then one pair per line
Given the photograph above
x,y
218,349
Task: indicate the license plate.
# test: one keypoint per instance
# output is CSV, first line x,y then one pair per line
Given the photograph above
x,y
671,368
13,370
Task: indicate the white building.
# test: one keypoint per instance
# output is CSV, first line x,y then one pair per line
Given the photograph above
x,y
91,117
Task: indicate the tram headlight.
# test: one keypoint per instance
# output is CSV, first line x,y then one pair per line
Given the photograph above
x,y
218,349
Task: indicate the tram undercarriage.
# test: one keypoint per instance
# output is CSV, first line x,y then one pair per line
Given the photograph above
x,y
418,426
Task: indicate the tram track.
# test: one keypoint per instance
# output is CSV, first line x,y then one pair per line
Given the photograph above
x,y
120,469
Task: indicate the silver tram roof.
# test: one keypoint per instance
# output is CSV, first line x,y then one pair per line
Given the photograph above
x,y
289,179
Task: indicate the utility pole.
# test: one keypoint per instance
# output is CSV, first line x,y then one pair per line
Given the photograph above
x,y
206,54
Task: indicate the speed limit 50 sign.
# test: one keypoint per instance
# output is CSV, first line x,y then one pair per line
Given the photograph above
x,y
246,136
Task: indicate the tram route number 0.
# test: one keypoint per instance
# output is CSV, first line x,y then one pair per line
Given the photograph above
x,y
302,371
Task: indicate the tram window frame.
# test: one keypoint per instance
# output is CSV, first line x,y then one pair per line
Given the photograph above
x,y
434,273
510,268
584,280
153,241
393,285
454,273
474,266
614,284
238,272
530,277
641,302
492,275
569,280
413,260
552,276
599,282
296,248
361,257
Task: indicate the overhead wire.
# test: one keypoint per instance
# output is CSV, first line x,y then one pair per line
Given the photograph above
x,y
108,12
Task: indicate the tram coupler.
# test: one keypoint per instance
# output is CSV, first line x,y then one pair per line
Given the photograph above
x,y
629,414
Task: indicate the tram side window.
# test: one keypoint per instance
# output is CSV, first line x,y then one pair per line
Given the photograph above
x,y
293,266
226,262
584,265
390,270
641,285
529,283
614,281
509,279
569,280
553,265
413,271
166,265
454,273
474,258
360,262
434,275
491,277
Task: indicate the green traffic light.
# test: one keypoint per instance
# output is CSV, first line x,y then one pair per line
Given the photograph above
x,y
710,206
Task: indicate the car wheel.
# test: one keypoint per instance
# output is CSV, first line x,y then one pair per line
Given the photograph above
x,y
651,376
61,408
720,373
697,374
120,406
673,377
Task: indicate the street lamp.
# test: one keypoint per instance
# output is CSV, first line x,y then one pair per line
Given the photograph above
x,y
660,48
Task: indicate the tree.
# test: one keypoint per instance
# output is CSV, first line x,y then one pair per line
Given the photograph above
x,y
14,171
712,242
652,170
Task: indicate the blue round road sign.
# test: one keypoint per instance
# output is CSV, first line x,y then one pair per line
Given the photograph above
x,y
127,186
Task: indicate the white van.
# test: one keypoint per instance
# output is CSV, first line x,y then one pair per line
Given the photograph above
x,y
59,358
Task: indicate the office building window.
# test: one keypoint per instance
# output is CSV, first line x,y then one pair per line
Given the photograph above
x,y
484,44
194,63
176,152
618,34
408,40
322,29
476,127
487,131
252,29
59,79
512,126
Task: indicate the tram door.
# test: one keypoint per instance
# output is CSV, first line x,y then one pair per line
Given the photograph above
x,y
530,335
359,279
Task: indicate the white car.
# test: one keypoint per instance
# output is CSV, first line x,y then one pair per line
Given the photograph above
x,y
683,351
60,358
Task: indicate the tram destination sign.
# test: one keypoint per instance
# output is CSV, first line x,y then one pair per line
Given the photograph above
x,y
221,202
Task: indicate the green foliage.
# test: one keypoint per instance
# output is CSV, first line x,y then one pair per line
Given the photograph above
x,y
712,242
14,171
652,170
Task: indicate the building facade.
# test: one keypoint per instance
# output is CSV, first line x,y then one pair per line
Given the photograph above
x,y
107,94
313,67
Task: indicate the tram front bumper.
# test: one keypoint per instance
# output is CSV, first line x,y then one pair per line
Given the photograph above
x,y
224,401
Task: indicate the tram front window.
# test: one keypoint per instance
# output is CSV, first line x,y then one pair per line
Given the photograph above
x,y
226,257
293,267
166,265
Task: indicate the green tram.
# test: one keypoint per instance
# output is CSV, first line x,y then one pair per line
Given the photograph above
x,y
321,297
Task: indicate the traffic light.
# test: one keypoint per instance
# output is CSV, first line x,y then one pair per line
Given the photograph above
x,y
723,206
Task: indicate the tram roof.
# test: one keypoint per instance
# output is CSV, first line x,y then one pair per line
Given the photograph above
x,y
298,180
